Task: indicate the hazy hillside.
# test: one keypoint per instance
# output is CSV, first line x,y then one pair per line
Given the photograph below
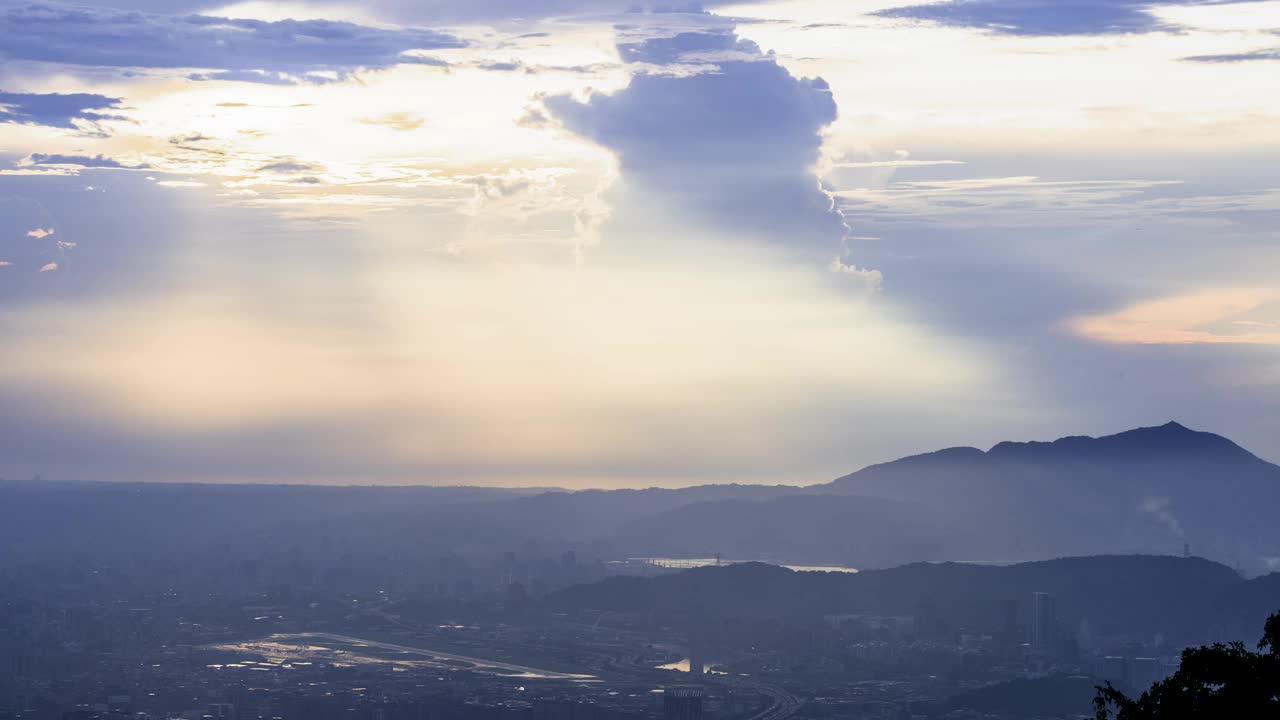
x,y
801,528
1149,490
1185,599
1145,491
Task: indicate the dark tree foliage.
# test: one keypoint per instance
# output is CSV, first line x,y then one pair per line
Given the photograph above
x,y
1219,681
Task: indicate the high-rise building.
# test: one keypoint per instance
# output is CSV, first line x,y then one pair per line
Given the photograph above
x,y
925,621
697,663
682,703
1044,622
697,642
1010,632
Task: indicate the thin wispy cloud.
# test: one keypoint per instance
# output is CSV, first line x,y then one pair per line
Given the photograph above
x,y
901,163
1046,17
1033,201
1241,57
83,161
1208,317
402,121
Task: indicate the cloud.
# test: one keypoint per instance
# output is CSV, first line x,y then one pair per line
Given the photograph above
x,y
49,267
901,163
1029,201
289,166
40,233
71,111
1253,56
1207,317
241,49
1161,509
729,145
526,10
417,58
433,11
402,121
680,47
503,66
261,77
83,161
1046,17
870,279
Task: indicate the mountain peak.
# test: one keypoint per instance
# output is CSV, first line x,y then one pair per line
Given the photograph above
x,y
1171,440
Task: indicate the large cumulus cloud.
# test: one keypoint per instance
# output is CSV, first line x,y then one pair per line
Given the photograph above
x,y
721,135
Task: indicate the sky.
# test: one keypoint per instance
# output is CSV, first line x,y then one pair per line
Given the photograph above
x,y
602,243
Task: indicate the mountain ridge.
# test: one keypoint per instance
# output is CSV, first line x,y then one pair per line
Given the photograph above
x,y
1150,490
1182,598
1171,438
1157,489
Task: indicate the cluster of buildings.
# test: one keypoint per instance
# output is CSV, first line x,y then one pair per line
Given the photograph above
x,y
87,643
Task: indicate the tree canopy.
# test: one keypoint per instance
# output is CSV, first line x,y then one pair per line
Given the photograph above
x,y
1218,681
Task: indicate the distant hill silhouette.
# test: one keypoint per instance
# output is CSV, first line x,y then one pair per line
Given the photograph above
x,y
1129,450
1184,599
1145,491
1149,490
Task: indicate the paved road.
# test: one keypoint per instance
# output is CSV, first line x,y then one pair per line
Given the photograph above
x,y
782,704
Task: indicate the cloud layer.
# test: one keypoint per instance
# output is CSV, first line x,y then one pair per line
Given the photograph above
x,y
70,111
241,49
340,275
1047,17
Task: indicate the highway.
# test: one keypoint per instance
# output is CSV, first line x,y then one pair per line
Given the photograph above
x,y
782,704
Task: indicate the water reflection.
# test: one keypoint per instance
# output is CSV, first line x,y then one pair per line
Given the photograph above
x,y
689,563
282,651
683,666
